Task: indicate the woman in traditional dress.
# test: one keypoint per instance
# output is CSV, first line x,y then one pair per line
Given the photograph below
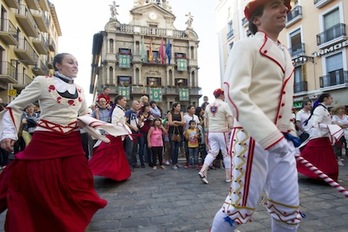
x,y
110,160
319,150
49,186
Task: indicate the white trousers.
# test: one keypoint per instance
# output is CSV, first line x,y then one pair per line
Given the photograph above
x,y
217,142
255,170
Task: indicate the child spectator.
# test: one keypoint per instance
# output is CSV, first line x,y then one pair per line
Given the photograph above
x,y
155,142
192,136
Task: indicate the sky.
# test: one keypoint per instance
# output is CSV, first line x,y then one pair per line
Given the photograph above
x,y
80,19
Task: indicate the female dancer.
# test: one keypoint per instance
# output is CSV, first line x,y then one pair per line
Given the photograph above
x,y
49,185
319,150
110,160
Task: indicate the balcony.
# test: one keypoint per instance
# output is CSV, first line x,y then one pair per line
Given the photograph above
x,y
40,69
41,20
44,5
41,45
25,53
171,90
294,15
32,4
334,78
321,3
138,90
26,21
23,81
52,45
153,32
230,34
12,3
331,35
7,73
301,86
195,91
8,32
297,49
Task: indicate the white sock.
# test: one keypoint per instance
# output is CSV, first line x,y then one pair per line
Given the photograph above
x,y
223,223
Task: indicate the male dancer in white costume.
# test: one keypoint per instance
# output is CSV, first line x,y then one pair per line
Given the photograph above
x,y
259,87
218,121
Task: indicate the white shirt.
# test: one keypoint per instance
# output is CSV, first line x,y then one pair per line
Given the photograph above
x,y
217,114
302,116
188,118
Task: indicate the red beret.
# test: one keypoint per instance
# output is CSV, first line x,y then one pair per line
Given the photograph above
x,y
218,92
252,5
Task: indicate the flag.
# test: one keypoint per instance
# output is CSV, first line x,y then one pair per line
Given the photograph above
x,y
162,53
142,52
168,51
150,51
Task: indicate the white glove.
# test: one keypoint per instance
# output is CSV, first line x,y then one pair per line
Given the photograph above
x,y
282,147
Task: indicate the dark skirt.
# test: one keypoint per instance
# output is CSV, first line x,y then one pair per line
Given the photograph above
x,y
49,194
319,152
110,160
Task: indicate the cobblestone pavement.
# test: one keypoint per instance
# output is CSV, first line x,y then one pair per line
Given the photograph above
x,y
176,200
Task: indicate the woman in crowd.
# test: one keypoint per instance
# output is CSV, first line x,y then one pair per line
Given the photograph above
x,y
145,121
176,124
318,150
340,118
49,185
110,160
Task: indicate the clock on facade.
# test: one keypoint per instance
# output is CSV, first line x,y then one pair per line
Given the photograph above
x,y
152,15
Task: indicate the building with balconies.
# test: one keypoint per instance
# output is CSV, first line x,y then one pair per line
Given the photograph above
x,y
316,37
29,32
147,56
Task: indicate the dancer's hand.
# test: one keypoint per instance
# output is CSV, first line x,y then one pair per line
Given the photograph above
x,y
7,144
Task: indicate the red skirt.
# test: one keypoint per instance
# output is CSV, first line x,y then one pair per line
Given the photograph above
x,y
110,161
49,194
319,152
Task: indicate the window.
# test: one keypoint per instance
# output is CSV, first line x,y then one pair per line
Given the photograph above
x,y
331,19
334,68
124,81
296,43
153,81
125,51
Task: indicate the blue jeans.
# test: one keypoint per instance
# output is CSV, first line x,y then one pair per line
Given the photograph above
x,y
193,155
144,150
174,149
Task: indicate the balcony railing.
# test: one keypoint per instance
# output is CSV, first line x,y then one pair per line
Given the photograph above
x,y
337,77
331,33
8,32
294,13
25,52
297,49
321,3
8,72
159,32
300,86
230,34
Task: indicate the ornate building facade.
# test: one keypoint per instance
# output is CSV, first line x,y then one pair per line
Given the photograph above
x,y
29,32
316,37
147,56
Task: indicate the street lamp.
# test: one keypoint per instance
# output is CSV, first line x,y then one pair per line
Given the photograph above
x,y
302,59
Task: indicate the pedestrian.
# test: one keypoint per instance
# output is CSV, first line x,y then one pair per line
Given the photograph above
x,y
110,160
219,122
301,117
340,118
145,121
155,142
192,136
319,150
259,86
49,185
176,124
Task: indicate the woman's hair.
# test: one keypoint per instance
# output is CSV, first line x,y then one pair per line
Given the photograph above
x,y
156,119
175,104
118,97
316,104
142,109
334,110
58,59
257,13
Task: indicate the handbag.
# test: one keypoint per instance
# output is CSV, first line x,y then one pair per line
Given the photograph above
x,y
176,136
